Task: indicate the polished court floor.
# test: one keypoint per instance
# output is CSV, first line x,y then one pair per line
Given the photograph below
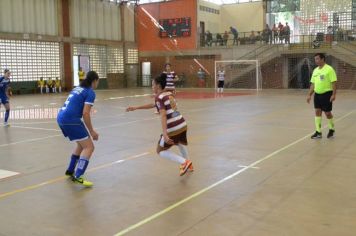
x,y
257,172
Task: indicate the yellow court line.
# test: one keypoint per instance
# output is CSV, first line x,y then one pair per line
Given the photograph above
x,y
66,177
181,202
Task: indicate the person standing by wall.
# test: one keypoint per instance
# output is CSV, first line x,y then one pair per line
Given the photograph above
x,y
81,74
201,78
41,84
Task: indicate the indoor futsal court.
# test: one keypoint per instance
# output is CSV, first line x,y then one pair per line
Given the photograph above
x,y
256,170
177,117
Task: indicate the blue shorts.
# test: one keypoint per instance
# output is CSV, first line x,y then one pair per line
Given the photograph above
x,y
4,99
75,131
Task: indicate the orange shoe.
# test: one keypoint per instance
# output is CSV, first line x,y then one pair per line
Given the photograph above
x,y
191,168
184,167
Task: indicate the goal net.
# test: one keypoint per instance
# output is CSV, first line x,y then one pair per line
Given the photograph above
x,y
239,74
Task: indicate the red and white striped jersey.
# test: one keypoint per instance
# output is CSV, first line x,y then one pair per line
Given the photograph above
x,y
175,121
170,83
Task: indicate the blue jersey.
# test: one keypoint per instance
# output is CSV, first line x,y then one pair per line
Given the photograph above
x,y
72,110
4,84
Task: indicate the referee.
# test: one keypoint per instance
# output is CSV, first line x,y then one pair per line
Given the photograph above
x,y
323,84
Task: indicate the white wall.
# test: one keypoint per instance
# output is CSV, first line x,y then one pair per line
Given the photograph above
x,y
29,16
244,16
129,21
95,19
212,20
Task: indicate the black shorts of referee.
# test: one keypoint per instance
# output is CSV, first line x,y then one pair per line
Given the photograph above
x,y
322,101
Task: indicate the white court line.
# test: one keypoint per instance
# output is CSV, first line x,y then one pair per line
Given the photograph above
x,y
31,187
6,174
35,128
168,209
52,136
29,140
255,167
131,96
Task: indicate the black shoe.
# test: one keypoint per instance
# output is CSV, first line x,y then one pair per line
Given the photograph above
x,y
331,133
316,135
69,173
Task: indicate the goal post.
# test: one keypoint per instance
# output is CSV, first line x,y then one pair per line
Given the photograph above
x,y
240,74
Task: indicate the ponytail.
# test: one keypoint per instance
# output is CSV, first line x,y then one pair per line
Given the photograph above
x,y
161,80
90,77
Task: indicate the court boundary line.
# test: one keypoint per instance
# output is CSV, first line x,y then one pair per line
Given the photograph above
x,y
35,186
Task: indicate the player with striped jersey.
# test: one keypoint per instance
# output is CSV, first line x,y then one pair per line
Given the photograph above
x,y
172,77
221,79
174,126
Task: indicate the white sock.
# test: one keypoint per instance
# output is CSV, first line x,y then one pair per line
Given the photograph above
x,y
169,155
183,150
222,90
60,89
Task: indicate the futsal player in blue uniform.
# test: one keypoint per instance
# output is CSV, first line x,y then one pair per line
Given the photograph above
x,y
4,93
76,107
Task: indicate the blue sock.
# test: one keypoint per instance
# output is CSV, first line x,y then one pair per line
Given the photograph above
x,y
73,162
7,114
81,167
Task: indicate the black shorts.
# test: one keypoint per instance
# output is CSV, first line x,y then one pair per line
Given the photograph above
x,y
322,101
177,139
221,84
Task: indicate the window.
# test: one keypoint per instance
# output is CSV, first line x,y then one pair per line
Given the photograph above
x,y
132,56
30,60
103,59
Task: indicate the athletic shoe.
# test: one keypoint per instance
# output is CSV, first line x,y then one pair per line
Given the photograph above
x,y
331,133
6,124
191,168
316,135
82,181
184,167
69,173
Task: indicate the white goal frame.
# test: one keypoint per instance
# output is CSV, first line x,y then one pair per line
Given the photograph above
x,y
258,71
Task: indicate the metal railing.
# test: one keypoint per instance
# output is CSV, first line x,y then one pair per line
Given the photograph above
x,y
246,38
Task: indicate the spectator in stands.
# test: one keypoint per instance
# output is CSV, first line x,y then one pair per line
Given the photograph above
x,y
209,38
275,33
270,38
57,86
286,32
41,84
265,34
219,40
235,34
81,74
201,78
280,32
226,38
252,37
